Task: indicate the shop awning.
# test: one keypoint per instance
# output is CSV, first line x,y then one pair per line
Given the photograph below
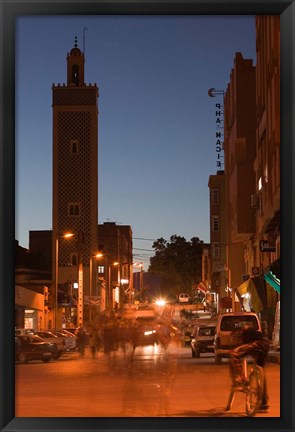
x,y
273,281
256,288
272,276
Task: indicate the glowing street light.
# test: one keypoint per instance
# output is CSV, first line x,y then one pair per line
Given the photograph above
x,y
107,273
98,255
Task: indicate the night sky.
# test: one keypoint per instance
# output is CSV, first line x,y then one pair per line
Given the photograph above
x,y
156,124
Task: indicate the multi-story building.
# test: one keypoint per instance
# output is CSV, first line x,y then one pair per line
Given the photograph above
x,y
75,288
115,243
239,156
218,280
266,198
75,179
267,162
252,172
32,285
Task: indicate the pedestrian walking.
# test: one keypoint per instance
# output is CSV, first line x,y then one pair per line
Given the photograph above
x,y
81,340
93,340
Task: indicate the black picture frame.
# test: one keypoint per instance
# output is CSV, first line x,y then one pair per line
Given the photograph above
x,y
8,12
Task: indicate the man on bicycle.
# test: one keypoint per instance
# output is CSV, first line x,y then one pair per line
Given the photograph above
x,y
256,346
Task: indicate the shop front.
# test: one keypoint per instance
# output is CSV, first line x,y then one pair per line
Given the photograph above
x,y
272,277
30,308
258,296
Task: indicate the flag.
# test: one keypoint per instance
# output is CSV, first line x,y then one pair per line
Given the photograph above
x,y
202,286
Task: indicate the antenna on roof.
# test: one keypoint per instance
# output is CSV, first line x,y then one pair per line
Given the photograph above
x,y
84,30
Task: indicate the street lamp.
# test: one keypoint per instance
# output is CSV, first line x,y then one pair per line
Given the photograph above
x,y
98,255
110,284
67,235
107,273
212,92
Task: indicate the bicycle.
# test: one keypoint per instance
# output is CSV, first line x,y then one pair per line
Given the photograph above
x,y
253,389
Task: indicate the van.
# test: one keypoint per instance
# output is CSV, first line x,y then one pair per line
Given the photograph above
x,y
183,298
229,331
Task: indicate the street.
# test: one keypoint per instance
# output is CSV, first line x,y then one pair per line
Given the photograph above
x,y
152,382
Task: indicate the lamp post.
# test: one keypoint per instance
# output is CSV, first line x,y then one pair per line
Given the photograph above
x,y
90,289
107,275
67,235
56,283
110,296
98,255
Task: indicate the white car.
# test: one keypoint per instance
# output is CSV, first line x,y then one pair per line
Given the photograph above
x,y
229,331
69,338
184,298
48,336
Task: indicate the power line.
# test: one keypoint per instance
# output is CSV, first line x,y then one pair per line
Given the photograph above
x,y
140,238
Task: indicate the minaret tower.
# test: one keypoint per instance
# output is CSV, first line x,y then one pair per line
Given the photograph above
x,y
75,180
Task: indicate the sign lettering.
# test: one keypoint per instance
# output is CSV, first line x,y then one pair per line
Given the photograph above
x,y
219,143
265,247
80,296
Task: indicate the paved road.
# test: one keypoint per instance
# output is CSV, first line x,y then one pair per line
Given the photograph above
x,y
151,383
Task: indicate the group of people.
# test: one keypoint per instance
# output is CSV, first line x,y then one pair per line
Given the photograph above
x,y
112,333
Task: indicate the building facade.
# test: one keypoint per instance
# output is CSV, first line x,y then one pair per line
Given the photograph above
x,y
115,243
239,156
75,179
218,281
252,174
266,250
32,286
267,161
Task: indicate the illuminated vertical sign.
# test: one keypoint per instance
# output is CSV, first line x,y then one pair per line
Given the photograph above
x,y
219,135
219,114
80,296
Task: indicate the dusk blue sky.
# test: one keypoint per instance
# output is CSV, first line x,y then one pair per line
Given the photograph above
x,y
156,125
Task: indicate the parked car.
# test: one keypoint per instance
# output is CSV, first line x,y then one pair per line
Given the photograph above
x,y
23,331
50,337
184,298
203,339
68,333
69,338
71,330
229,331
32,347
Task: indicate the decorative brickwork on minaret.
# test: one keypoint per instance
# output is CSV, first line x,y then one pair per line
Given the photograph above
x,y
75,168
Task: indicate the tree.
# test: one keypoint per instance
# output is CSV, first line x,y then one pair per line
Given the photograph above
x,y
178,262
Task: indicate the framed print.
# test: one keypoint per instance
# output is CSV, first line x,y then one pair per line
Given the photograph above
x,y
192,105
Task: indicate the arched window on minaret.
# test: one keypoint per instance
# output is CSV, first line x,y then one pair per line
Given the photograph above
x,y
75,74
74,259
74,146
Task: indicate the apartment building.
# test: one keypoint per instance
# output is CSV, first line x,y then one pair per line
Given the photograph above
x,y
115,267
219,274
